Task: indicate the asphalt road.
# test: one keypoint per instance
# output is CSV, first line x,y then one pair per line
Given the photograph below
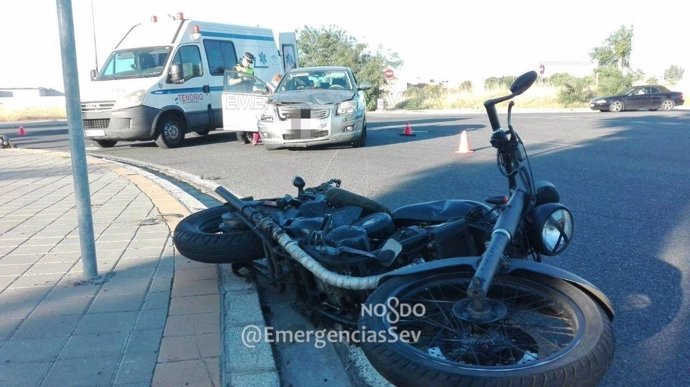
x,y
625,176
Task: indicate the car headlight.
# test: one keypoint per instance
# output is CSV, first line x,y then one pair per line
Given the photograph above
x,y
550,228
346,107
135,98
267,112
600,101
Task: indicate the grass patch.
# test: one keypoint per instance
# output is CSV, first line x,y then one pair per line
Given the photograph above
x,y
537,97
27,113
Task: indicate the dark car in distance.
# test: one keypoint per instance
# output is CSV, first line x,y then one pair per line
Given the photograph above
x,y
650,97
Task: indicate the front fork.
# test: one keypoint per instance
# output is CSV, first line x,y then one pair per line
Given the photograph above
x,y
478,307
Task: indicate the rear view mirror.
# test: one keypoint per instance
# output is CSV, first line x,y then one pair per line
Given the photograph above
x,y
175,75
523,82
364,86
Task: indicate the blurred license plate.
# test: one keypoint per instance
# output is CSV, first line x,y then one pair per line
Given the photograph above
x,y
94,132
307,123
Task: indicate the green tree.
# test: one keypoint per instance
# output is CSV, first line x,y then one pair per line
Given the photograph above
x,y
465,86
616,50
673,74
560,79
611,80
574,90
332,46
652,80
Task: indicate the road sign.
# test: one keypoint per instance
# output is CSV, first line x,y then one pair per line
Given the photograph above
x,y
388,73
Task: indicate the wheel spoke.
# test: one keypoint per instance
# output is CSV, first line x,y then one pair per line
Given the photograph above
x,y
537,325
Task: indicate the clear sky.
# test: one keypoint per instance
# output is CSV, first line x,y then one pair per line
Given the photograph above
x,y
466,40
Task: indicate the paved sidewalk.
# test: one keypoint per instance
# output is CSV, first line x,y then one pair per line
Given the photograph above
x,y
153,318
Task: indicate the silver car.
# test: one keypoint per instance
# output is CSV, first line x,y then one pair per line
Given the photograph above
x,y
315,106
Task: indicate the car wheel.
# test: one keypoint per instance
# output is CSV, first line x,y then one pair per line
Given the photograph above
x,y
106,143
171,132
362,140
616,106
668,104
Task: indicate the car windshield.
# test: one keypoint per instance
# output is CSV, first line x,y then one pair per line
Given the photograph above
x,y
322,79
135,63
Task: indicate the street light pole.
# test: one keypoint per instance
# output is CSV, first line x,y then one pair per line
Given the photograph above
x,y
93,31
80,173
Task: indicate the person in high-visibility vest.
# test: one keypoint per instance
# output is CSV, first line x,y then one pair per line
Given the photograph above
x,y
245,65
245,68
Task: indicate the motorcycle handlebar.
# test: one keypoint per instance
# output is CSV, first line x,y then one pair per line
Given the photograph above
x,y
490,106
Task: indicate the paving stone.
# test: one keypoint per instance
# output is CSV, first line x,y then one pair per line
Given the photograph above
x,y
197,288
94,371
194,304
136,368
152,319
144,341
101,345
31,350
48,326
192,324
21,375
157,300
8,326
63,306
96,323
182,373
117,302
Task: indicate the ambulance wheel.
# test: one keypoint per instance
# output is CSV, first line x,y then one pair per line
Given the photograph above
x,y
171,132
106,143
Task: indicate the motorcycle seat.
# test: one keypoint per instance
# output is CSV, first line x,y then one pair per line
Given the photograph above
x,y
434,212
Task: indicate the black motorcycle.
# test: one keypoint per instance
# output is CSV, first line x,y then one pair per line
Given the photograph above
x,y
446,293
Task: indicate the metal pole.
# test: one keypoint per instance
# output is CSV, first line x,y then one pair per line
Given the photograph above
x,y
76,139
93,30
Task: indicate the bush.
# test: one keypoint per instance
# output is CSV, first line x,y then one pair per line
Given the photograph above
x,y
465,86
611,80
424,97
575,91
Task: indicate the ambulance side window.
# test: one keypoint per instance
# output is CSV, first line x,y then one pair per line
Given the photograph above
x,y
189,59
220,55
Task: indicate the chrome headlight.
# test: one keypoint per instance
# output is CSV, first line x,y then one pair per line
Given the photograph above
x,y
550,228
267,112
600,101
135,98
346,107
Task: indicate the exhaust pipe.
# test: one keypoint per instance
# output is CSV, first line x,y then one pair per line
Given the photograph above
x,y
281,237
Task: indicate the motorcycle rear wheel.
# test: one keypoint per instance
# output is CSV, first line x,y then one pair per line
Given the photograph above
x,y
199,237
547,333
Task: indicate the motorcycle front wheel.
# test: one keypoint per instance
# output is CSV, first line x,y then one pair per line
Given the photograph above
x,y
541,331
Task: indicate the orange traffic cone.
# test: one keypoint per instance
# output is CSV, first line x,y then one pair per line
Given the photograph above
x,y
464,144
22,132
407,131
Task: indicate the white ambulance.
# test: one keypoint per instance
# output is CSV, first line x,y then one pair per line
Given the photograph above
x,y
165,79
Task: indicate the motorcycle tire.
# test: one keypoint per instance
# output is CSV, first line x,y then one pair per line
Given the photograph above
x,y
504,352
200,238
